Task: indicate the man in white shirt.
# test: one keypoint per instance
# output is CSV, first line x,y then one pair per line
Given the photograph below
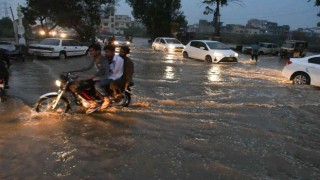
x,y
115,67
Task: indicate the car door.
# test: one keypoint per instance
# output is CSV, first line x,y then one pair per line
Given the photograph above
x,y
76,46
314,70
162,44
67,47
192,49
202,50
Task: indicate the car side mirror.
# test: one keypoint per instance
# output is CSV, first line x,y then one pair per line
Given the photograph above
x,y
202,48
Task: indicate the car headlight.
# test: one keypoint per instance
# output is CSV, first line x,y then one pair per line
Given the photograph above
x,y
236,55
58,83
171,46
115,42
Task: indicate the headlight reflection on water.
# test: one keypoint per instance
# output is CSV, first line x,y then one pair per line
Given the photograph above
x,y
214,74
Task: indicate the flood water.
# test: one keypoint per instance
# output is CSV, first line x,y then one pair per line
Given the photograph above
x,y
188,120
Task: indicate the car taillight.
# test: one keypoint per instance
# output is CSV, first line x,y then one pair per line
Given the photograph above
x,y
288,63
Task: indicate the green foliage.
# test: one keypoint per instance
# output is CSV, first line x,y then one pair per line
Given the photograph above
x,y
6,29
158,15
82,15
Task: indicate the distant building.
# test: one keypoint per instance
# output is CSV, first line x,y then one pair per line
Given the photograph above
x,y
266,27
114,24
240,29
205,27
193,28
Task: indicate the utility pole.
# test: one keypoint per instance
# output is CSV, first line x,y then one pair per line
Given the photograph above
x,y
216,19
15,27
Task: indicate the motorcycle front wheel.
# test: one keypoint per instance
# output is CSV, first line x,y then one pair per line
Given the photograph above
x,y
45,105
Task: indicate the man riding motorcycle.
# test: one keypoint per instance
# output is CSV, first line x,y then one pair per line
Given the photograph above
x,y
100,79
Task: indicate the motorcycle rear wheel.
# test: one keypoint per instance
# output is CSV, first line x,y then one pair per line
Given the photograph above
x,y
45,105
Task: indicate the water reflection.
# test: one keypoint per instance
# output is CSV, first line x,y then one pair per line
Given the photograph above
x,y
169,73
214,73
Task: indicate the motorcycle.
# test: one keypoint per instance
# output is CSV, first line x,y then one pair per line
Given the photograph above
x,y
2,89
60,102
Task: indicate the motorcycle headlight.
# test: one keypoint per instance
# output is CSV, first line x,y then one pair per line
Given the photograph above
x,y
58,83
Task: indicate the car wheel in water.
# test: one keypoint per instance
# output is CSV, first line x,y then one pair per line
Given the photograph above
x,y
301,79
208,59
185,54
62,56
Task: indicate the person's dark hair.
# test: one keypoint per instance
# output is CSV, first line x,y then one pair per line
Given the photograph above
x,y
96,47
110,48
126,49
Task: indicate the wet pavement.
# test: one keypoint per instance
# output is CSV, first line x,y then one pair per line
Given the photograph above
x,y
188,120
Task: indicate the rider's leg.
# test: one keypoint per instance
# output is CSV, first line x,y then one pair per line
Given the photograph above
x,y
100,86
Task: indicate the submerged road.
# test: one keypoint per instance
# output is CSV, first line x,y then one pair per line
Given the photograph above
x,y
188,120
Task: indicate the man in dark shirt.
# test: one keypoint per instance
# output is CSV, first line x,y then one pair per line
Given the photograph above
x,y
128,68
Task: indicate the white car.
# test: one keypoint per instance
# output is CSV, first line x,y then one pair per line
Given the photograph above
x,y
55,47
210,51
167,44
303,70
121,41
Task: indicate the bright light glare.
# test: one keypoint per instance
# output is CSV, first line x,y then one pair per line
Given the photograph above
x,y
42,33
63,35
236,55
128,42
58,83
116,42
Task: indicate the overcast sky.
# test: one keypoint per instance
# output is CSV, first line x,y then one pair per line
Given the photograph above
x,y
296,13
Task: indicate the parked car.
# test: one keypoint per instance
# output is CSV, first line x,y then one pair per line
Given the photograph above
x,y
265,48
269,48
167,44
12,51
210,51
55,47
293,48
303,70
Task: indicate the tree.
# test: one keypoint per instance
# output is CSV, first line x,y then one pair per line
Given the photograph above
x,y
6,29
84,16
317,3
213,7
158,15
44,11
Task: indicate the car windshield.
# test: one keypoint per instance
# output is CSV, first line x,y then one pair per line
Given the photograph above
x,y
288,45
217,45
173,41
120,38
51,42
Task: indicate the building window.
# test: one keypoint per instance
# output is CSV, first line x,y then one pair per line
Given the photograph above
x,y
105,24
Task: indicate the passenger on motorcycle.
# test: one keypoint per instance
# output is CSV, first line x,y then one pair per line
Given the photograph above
x,y
4,65
100,79
126,80
116,67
